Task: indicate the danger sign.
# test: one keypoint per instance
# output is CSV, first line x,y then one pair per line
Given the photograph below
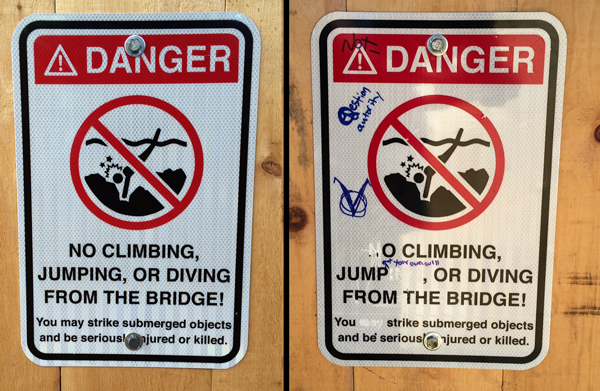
x,y
437,143
136,137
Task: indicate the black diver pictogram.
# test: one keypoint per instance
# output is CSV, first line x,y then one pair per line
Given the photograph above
x,y
441,202
111,185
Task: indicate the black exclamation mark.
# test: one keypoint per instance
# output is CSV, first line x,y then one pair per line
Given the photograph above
x,y
222,294
523,299
60,62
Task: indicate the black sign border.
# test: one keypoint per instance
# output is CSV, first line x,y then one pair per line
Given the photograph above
x,y
547,178
245,126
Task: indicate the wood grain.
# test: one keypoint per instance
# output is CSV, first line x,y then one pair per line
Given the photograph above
x,y
139,6
432,6
571,361
16,371
570,364
261,369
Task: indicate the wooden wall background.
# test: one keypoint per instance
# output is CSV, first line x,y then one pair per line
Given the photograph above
x,y
262,367
572,359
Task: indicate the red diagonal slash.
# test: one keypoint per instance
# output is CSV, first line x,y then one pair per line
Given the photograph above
x,y
136,163
435,163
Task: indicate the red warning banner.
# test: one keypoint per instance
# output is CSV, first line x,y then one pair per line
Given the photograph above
x,y
168,59
470,59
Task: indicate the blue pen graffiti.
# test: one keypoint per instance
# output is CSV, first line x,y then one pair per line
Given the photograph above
x,y
360,105
356,207
396,262
349,114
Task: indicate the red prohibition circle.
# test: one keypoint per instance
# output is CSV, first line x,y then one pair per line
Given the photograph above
x,y
392,118
94,118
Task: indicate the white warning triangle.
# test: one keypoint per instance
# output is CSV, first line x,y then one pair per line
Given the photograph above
x,y
360,63
62,67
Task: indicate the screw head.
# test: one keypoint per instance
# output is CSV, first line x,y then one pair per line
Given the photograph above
x,y
135,45
437,45
432,341
134,341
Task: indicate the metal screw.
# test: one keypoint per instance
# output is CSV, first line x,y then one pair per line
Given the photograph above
x,y
135,45
432,341
437,45
134,341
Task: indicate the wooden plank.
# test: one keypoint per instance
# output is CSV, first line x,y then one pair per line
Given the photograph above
x,y
570,363
387,378
433,6
138,379
120,379
138,6
309,370
262,367
134,379
16,371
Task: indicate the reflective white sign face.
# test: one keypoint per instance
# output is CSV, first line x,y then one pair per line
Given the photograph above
x,y
437,140
135,139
